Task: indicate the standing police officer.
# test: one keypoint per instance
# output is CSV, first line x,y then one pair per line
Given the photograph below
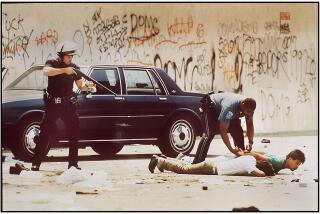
x,y
60,102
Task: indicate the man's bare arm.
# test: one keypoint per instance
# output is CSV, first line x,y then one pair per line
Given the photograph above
x,y
250,129
258,173
257,156
49,71
223,132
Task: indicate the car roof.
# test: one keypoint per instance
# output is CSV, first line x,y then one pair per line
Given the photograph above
x,y
108,65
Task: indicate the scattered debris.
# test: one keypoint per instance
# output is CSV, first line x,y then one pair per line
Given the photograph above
x,y
85,179
141,182
265,140
70,176
229,180
245,209
87,193
316,180
204,188
17,168
295,180
3,158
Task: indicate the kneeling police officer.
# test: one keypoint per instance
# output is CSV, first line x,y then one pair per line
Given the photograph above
x,y
60,102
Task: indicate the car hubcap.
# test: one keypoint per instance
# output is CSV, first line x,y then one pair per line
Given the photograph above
x,y
31,132
181,136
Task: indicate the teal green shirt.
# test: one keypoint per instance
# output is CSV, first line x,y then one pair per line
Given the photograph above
x,y
277,162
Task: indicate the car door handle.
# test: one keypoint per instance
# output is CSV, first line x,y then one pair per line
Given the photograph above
x,y
119,98
162,98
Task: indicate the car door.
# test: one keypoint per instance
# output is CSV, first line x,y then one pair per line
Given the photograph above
x,y
145,104
100,113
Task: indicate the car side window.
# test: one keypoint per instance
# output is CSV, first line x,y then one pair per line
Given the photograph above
x,y
138,82
157,84
109,78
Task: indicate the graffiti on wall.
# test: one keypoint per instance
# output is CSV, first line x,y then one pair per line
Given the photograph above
x,y
15,39
265,57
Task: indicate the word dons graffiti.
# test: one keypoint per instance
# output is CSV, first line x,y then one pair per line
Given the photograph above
x,y
119,32
143,28
273,107
48,37
14,38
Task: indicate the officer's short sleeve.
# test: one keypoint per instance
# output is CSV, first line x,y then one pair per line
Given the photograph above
x,y
226,115
49,63
77,77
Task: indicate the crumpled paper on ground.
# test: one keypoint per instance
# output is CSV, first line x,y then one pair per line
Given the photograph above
x,y
85,179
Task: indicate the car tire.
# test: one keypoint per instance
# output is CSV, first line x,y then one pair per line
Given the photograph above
x,y
23,145
107,149
179,136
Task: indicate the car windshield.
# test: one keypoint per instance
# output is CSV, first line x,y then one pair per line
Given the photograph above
x,y
31,79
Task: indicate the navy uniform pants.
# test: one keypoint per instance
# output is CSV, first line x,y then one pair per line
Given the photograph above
x,y
67,113
211,125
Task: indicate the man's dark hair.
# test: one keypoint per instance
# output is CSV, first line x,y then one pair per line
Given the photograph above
x,y
297,155
266,167
249,103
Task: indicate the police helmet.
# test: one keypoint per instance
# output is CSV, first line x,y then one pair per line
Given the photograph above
x,y
67,48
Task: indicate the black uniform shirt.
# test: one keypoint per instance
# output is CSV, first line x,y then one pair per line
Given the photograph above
x,y
61,85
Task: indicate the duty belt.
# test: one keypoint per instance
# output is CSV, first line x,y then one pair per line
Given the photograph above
x,y
59,100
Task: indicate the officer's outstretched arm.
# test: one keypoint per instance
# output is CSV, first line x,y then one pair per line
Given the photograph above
x,y
223,132
250,129
49,71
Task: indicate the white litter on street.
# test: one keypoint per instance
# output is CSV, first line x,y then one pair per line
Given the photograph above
x,y
71,176
85,179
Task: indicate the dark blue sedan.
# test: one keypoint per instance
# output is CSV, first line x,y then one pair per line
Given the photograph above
x,y
144,106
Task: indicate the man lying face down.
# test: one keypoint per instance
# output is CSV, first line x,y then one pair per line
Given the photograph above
x,y
291,161
244,165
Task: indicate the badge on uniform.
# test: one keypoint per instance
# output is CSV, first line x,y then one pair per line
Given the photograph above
x,y
229,115
57,100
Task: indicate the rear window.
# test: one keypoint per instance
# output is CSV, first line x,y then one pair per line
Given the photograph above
x,y
138,82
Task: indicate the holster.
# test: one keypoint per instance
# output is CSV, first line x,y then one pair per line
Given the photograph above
x,y
45,97
74,101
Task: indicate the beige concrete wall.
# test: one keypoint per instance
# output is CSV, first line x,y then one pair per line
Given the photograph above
x,y
232,47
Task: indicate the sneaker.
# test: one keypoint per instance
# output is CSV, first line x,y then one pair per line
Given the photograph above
x,y
153,163
180,156
162,156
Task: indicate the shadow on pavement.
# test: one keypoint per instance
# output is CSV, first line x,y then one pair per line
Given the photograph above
x,y
102,158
